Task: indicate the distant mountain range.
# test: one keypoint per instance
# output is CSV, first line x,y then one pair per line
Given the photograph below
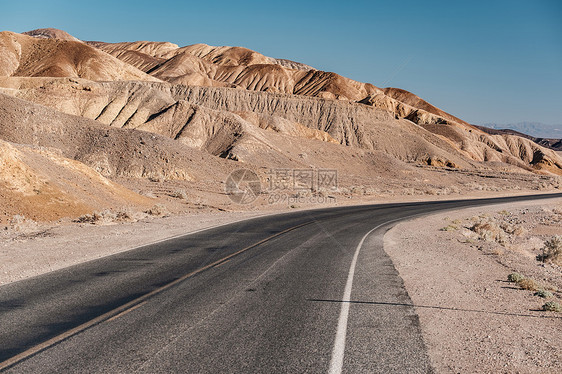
x,y
536,129
552,143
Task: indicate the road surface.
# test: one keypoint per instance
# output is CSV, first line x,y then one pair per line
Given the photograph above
x,y
300,292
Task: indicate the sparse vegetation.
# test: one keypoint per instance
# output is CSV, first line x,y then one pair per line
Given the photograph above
x,y
157,210
107,216
515,277
544,294
529,284
93,218
489,231
552,306
524,282
552,250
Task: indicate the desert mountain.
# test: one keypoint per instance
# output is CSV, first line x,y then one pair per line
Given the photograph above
x,y
50,33
535,129
40,56
153,115
220,120
554,144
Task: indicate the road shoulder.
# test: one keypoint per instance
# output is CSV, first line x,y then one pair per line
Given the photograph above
x,y
472,319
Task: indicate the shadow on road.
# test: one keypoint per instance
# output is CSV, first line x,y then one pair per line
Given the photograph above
x,y
433,307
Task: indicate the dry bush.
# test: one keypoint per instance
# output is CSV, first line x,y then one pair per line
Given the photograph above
x,y
370,191
552,250
431,191
489,231
158,210
544,294
528,284
516,230
515,277
552,306
125,215
107,216
89,218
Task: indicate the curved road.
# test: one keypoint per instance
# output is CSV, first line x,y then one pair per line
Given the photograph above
x,y
309,291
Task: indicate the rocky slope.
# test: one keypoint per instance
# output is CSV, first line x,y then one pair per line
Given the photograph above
x,y
156,116
40,184
211,119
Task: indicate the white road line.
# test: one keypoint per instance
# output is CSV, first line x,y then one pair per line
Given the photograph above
x,y
336,363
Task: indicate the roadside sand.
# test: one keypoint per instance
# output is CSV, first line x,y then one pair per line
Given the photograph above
x,y
473,320
47,248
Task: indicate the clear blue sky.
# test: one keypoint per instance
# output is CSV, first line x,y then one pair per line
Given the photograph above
x,y
484,61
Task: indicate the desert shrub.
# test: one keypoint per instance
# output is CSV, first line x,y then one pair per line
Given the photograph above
x,y
489,231
89,218
544,294
515,277
157,210
124,214
552,306
552,250
106,216
528,284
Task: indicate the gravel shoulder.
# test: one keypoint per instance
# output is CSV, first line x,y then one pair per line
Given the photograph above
x,y
472,319
36,250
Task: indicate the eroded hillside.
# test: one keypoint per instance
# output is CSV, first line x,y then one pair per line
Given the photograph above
x,y
157,117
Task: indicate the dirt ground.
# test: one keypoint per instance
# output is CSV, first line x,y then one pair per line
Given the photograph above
x,y
36,249
473,320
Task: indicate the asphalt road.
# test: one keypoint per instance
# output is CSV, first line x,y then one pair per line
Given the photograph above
x,y
301,292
